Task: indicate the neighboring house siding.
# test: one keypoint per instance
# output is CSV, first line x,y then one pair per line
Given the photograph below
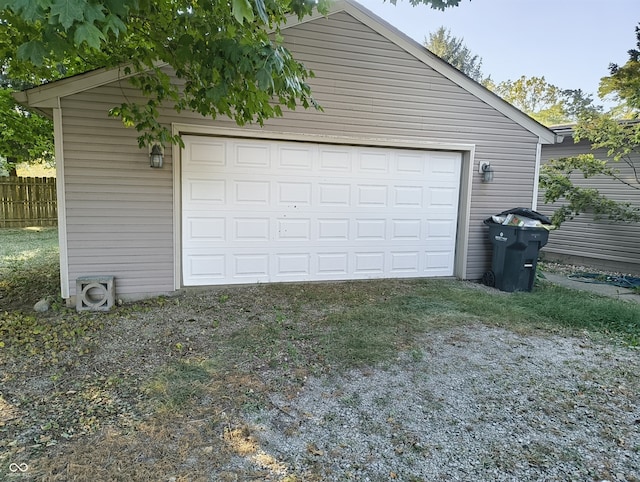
x,y
368,86
599,243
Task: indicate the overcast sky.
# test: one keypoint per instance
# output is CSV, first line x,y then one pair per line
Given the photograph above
x,y
569,42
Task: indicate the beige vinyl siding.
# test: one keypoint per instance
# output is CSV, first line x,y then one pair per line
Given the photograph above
x,y
584,240
368,87
119,210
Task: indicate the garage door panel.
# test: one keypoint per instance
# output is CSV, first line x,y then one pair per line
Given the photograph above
x,y
251,155
206,152
437,263
411,163
440,229
408,196
295,157
272,265
252,192
405,262
293,265
406,229
369,263
333,229
251,229
281,229
374,161
206,268
443,166
294,194
206,228
370,229
207,191
332,195
335,159
281,211
443,197
332,264
371,196
289,230
250,266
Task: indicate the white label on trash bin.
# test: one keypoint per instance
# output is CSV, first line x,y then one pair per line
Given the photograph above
x,y
501,237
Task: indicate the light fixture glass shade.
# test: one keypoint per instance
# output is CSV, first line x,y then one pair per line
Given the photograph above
x,y
487,173
156,156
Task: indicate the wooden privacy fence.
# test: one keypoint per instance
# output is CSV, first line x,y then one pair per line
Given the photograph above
x,y
27,201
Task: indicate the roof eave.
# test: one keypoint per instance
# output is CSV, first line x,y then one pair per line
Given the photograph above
x,y
47,96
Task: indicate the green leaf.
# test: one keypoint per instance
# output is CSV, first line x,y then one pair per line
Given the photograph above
x,y
119,8
30,10
115,24
68,12
93,13
242,9
88,33
33,51
265,81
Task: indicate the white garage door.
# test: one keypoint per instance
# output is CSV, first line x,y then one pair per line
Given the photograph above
x,y
265,211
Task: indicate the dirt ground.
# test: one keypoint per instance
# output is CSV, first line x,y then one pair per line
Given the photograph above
x,y
239,384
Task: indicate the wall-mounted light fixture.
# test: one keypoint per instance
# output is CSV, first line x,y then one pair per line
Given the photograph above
x,y
487,171
156,156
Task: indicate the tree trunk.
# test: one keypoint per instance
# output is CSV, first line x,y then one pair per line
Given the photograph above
x,y
11,166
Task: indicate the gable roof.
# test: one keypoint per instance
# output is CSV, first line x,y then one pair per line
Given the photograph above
x,y
47,96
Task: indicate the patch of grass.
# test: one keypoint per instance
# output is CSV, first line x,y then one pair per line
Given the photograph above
x,y
179,384
548,306
375,332
584,311
29,266
26,243
274,338
371,325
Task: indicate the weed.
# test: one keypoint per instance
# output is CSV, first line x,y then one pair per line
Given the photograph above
x,y
352,400
417,355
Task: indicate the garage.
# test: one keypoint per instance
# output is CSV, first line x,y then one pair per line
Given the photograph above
x,y
385,181
259,210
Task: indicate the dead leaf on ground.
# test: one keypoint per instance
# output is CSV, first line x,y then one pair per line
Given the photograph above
x,y
314,450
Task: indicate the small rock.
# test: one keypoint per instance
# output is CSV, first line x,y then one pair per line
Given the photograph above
x,y
42,305
208,450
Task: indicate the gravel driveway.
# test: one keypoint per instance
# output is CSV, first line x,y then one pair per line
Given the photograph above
x,y
475,404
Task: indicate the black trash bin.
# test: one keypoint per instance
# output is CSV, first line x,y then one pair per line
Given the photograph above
x,y
515,256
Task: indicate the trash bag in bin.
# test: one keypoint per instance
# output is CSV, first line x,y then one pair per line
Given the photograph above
x,y
517,235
